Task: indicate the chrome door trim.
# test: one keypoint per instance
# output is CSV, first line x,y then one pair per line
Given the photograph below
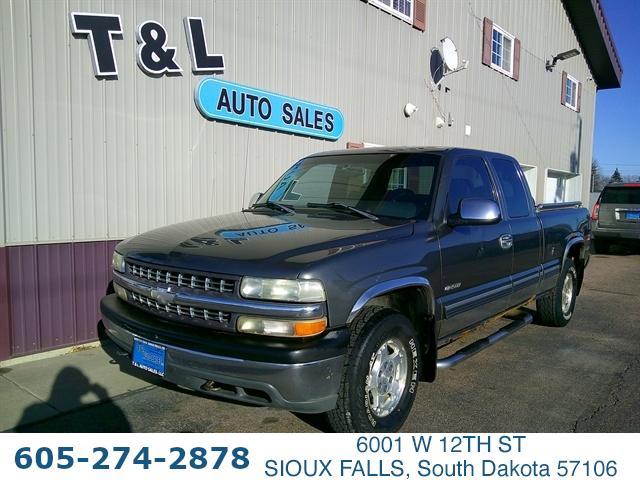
x,y
468,303
526,277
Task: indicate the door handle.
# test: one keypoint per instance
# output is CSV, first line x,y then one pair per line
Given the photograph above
x,y
506,241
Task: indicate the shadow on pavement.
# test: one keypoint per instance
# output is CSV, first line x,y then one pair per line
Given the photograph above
x,y
317,421
622,249
68,389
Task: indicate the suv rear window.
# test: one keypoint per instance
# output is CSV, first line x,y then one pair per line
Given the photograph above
x,y
621,195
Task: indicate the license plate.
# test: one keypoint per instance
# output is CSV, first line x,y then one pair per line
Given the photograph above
x,y
632,215
148,356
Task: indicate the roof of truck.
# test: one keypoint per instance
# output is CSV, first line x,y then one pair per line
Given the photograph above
x,y
395,150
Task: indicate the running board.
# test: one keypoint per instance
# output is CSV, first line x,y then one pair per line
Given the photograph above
x,y
519,319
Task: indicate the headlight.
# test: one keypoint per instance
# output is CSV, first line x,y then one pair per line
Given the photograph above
x,y
283,290
281,328
121,292
117,262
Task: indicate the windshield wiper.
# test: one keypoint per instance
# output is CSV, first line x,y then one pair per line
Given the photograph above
x,y
273,206
342,206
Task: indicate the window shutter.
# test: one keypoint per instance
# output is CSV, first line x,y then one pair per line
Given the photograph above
x,y
516,59
563,87
579,96
355,145
487,32
420,14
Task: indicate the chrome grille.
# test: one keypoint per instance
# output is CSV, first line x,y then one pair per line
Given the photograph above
x,y
186,280
181,310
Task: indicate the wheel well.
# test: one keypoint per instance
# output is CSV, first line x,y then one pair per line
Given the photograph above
x,y
574,254
415,303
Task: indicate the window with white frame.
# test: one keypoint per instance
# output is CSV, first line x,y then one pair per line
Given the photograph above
x,y
502,50
400,8
571,93
562,186
398,178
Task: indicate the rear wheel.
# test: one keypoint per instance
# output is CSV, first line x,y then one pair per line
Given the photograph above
x,y
556,308
380,378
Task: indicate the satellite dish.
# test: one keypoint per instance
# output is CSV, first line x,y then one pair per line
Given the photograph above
x,y
449,54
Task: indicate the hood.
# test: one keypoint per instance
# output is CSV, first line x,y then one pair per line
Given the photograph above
x,y
245,243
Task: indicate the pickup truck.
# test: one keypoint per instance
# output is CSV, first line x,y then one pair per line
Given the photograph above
x,y
334,290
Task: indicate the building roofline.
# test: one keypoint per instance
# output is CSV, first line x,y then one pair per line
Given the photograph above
x,y
596,41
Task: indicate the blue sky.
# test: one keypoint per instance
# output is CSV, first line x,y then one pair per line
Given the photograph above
x,y
617,131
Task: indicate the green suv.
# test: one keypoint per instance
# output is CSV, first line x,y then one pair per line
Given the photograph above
x,y
616,216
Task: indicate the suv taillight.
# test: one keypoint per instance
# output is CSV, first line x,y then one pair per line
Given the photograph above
x,y
596,211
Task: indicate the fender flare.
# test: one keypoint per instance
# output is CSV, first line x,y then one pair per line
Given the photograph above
x,y
577,240
390,286
573,241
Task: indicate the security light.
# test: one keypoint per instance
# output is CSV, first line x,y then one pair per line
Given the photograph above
x,y
562,56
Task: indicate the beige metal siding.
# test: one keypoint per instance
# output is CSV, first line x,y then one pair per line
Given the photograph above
x,y
87,159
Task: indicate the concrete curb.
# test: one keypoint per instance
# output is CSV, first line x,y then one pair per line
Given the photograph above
x,y
12,362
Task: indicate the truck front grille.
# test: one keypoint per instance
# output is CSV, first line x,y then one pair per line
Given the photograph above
x,y
185,280
195,315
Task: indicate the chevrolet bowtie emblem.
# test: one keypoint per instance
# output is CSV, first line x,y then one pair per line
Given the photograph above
x,y
163,295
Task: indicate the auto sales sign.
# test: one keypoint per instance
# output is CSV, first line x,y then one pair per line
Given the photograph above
x,y
227,101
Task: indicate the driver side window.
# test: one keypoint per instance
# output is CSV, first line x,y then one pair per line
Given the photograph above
x,y
470,179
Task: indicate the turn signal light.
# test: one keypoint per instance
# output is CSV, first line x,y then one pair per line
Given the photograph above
x,y
306,329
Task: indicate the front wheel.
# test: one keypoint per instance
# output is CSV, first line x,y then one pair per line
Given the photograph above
x,y
380,378
556,308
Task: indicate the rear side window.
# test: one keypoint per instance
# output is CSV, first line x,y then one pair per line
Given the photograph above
x,y
469,179
621,195
515,194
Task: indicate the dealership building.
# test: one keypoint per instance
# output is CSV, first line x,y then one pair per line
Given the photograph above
x,y
117,117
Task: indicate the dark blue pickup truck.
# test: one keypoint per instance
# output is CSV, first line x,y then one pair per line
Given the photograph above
x,y
333,291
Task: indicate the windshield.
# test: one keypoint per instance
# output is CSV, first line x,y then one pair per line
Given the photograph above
x,y
386,185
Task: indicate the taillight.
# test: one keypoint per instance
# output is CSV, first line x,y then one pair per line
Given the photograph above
x,y
596,211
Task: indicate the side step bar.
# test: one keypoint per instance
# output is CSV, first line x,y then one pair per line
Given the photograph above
x,y
520,319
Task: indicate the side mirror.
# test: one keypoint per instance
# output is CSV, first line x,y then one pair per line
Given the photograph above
x,y
476,211
254,198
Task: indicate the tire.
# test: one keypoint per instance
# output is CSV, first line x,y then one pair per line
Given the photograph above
x,y
375,333
552,310
601,246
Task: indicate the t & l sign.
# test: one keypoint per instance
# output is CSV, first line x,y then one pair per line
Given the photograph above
x,y
153,55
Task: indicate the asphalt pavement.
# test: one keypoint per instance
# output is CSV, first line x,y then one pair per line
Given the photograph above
x,y
584,377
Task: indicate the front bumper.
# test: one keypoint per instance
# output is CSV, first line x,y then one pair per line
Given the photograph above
x,y
616,233
301,376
